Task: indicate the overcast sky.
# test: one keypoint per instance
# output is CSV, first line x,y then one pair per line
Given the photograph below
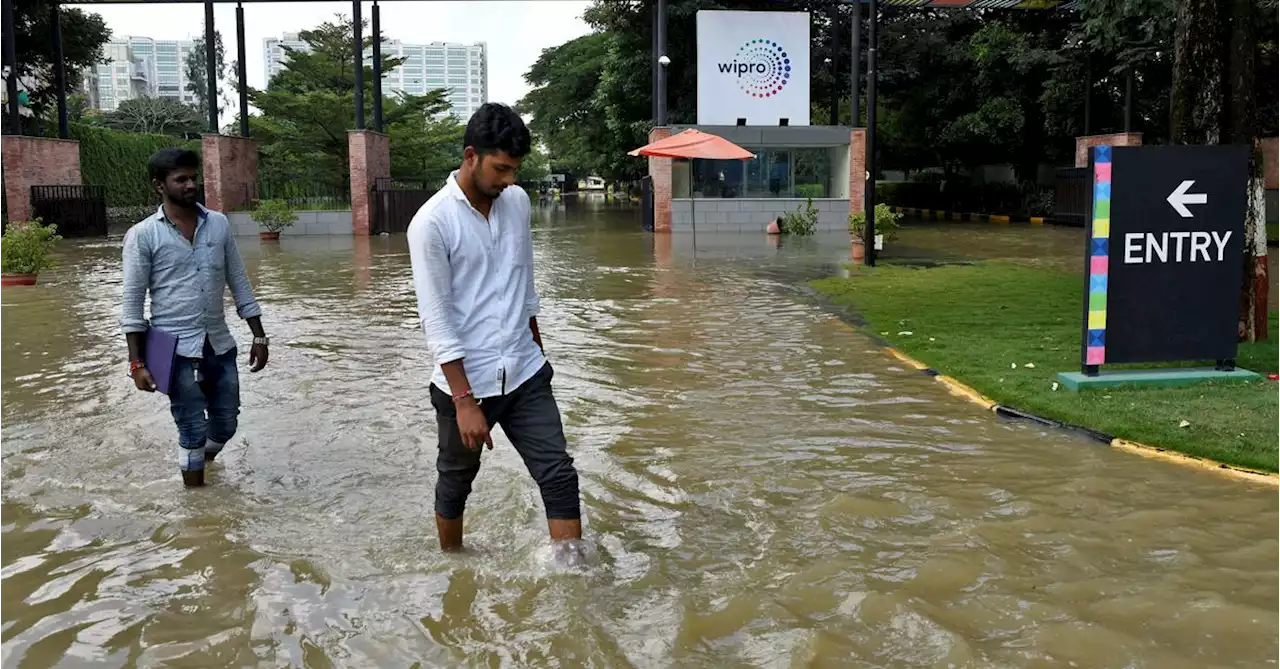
x,y
516,32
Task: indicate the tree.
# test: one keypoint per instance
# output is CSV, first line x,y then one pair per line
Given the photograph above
x,y
566,115
310,106
161,116
83,36
1219,47
198,67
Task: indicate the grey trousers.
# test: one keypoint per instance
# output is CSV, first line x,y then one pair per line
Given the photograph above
x,y
531,419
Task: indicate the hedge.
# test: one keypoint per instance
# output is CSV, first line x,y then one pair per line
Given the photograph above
x,y
117,160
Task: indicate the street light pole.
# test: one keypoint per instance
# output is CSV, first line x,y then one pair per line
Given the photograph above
x,y
870,228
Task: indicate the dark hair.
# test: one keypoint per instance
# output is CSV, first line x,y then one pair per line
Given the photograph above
x,y
497,127
167,160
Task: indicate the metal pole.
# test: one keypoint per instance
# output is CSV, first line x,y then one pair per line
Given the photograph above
x,y
870,229
242,79
653,62
211,66
662,70
60,73
377,67
1128,100
855,51
11,62
835,66
357,37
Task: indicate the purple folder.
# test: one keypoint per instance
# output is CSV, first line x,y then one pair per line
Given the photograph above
x,y
159,354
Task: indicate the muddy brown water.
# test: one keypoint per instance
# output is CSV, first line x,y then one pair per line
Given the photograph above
x,y
762,488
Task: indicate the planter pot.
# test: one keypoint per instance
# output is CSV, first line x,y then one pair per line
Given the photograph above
x,y
269,236
860,247
18,280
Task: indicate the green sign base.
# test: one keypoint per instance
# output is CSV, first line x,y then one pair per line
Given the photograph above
x,y
1077,381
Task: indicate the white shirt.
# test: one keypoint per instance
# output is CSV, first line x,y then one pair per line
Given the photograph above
x,y
474,281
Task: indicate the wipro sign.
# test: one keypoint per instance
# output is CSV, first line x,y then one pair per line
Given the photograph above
x,y
761,68
745,71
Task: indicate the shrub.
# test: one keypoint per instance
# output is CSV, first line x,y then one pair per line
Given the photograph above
x,y
26,245
886,222
802,222
274,215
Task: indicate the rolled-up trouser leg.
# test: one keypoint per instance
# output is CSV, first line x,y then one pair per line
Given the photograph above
x,y
456,464
531,419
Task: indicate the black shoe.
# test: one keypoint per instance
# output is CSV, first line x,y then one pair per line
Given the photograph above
x,y
208,457
193,479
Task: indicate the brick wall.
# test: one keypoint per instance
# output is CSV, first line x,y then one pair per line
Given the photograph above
x,y
1083,144
370,160
660,173
857,170
230,172
36,161
1269,166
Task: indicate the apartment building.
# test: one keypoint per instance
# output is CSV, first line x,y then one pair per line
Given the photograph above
x,y
461,69
139,66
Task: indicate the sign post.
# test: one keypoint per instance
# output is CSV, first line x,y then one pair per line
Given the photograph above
x,y
1163,264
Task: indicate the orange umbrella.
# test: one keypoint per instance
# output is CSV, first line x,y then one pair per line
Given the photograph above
x,y
693,144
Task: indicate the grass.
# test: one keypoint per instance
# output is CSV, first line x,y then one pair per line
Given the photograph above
x,y
983,323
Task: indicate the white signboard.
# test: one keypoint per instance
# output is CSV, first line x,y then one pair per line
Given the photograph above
x,y
753,65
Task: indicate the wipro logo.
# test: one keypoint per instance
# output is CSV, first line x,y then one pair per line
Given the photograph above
x,y
761,66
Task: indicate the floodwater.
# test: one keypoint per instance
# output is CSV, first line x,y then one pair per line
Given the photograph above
x,y
762,487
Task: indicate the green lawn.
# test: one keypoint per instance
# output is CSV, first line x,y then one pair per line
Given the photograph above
x,y
983,323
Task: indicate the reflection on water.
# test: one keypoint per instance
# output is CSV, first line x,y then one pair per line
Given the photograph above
x,y
762,487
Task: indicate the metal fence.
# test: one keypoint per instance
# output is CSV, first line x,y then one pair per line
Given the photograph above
x,y
78,211
395,201
303,196
1072,196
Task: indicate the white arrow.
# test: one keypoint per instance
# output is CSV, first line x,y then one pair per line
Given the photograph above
x,y
1180,198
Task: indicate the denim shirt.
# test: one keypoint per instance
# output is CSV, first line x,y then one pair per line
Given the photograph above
x,y
187,281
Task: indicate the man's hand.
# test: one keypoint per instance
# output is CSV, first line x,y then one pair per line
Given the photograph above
x,y
143,380
472,425
257,357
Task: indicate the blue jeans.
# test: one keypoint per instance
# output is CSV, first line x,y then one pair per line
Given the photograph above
x,y
205,402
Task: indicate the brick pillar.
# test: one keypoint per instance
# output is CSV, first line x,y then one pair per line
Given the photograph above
x,y
660,174
36,161
230,172
1270,170
1083,144
370,160
857,170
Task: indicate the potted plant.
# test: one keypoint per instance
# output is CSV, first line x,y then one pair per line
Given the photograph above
x,y
24,251
886,229
274,215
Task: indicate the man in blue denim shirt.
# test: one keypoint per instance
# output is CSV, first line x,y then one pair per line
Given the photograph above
x,y
186,256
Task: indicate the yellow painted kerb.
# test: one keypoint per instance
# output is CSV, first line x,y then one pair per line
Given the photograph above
x,y
1240,473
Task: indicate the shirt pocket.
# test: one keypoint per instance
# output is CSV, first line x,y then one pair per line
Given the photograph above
x,y
211,256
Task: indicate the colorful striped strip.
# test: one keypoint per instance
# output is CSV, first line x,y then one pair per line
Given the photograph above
x,y
1099,248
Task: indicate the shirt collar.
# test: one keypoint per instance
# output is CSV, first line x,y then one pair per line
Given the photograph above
x,y
201,214
451,185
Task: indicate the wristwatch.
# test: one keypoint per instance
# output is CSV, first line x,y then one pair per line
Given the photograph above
x,y
261,340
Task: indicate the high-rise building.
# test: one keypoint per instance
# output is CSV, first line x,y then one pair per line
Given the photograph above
x,y
460,69
139,66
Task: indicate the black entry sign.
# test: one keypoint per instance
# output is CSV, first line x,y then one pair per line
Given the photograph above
x,y
1165,253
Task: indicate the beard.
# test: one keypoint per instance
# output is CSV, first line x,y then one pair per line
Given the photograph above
x,y
184,198
491,192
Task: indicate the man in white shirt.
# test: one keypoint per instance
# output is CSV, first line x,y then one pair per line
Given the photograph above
x,y
472,259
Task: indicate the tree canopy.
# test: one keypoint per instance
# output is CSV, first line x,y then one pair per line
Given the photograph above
x,y
309,106
957,88
83,36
